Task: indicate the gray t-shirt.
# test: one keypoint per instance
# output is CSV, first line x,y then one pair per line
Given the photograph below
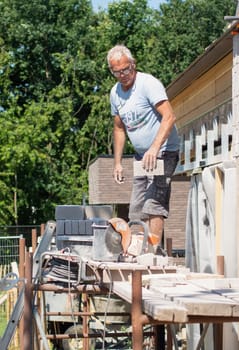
x,y
136,109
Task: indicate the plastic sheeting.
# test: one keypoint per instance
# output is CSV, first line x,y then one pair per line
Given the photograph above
x,y
200,230
200,225
201,233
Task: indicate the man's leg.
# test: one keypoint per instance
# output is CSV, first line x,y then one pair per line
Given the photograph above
x,y
157,199
140,184
156,226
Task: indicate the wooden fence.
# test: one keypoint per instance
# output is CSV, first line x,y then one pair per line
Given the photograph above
x,y
9,257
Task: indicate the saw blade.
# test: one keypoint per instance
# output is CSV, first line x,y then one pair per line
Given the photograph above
x,y
113,240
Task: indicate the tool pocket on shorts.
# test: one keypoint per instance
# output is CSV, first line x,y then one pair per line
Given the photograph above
x,y
162,189
170,163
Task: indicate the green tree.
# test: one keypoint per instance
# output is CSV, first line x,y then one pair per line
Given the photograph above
x,y
181,32
55,84
47,77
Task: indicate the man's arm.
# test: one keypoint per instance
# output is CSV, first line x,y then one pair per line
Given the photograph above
x,y
119,142
167,123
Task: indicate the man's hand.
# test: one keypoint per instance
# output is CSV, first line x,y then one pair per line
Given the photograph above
x,y
118,174
149,160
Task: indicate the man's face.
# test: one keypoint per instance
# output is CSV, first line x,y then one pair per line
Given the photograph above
x,y
124,71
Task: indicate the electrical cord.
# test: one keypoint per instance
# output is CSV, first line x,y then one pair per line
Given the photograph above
x,y
105,267
67,250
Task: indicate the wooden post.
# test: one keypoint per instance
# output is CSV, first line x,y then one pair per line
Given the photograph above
x,y
169,338
220,264
34,239
136,311
160,337
218,336
22,247
169,246
42,229
28,317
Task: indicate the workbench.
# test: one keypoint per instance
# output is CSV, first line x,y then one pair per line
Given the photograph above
x,y
171,297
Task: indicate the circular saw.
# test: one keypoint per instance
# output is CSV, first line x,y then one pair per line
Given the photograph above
x,y
117,236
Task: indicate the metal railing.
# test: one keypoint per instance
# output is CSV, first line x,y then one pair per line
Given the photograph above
x,y
24,231
9,252
206,140
9,257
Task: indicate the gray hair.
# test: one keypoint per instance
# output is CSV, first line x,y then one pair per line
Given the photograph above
x,y
117,52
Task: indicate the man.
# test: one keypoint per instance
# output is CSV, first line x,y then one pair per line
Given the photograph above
x,y
142,111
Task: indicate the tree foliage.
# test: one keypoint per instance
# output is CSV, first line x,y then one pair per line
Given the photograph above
x,y
54,87
184,29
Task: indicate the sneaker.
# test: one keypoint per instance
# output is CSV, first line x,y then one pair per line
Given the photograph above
x,y
160,251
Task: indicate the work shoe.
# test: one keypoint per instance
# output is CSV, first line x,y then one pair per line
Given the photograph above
x,y
160,251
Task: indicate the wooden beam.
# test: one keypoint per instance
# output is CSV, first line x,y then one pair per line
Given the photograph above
x,y
218,208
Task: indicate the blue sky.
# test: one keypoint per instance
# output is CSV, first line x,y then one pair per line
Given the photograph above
x,y
104,3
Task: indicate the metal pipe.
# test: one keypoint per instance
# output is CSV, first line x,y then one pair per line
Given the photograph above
x,y
43,336
85,322
83,288
22,247
89,313
90,336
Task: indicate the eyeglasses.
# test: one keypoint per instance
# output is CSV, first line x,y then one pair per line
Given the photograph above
x,y
125,71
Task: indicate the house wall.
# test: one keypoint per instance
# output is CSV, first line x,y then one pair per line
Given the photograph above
x,y
203,110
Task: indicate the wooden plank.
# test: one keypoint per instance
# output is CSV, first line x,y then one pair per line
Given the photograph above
x,y
3,299
218,283
122,271
233,282
211,283
123,290
204,280
199,301
169,300
152,305
226,287
163,278
163,310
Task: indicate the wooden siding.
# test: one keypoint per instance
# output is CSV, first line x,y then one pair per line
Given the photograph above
x,y
205,93
204,117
